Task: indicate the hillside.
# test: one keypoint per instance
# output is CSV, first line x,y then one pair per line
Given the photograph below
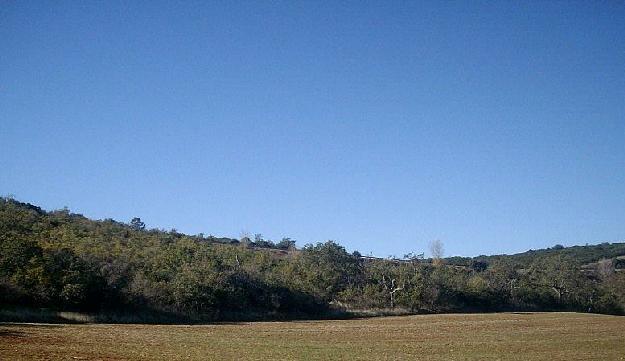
x,y
588,254
122,272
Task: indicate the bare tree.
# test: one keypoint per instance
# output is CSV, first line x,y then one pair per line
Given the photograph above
x,y
436,248
392,288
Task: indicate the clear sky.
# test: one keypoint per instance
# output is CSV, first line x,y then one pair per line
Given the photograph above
x,y
494,127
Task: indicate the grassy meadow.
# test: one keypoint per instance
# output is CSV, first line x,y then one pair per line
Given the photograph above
x,y
503,336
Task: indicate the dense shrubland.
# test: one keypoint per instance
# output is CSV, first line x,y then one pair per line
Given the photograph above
x,y
63,261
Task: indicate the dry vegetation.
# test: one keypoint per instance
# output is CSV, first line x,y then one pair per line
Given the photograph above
x,y
510,336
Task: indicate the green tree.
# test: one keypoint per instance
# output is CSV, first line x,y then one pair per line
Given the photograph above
x,y
137,224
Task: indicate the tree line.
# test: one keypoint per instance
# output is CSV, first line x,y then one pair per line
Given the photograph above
x,y
64,261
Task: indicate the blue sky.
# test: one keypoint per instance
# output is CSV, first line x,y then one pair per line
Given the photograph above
x,y
492,126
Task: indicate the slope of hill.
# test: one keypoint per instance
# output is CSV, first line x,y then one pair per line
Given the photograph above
x,y
582,254
63,261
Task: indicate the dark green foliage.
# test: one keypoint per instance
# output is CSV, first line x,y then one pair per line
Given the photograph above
x,y
326,268
479,265
285,244
137,224
582,254
64,261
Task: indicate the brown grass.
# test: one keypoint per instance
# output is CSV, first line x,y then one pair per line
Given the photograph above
x,y
505,336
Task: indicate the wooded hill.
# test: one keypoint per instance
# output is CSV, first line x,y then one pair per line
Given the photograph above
x,y
582,254
59,260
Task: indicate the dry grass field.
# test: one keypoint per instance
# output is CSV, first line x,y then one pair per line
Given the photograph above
x,y
504,336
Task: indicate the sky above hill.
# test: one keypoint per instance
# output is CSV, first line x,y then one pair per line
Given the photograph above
x,y
492,126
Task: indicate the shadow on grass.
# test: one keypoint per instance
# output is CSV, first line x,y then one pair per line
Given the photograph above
x,y
11,334
41,317
53,318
